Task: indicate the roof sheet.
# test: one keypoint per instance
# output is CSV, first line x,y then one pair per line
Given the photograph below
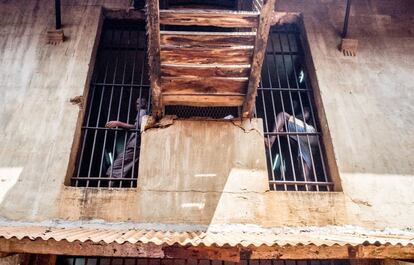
x,y
207,238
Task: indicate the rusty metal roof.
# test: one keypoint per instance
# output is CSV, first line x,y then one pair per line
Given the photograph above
x,y
327,237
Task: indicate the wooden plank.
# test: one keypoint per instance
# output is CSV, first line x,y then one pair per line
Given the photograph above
x,y
137,250
203,100
150,250
210,253
214,70
190,85
234,55
153,32
335,251
258,56
216,18
207,39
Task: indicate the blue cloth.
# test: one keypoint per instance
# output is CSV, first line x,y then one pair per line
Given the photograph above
x,y
305,142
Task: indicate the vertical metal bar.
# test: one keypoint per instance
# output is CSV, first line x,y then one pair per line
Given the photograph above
x,y
310,97
267,129
85,134
304,121
58,16
130,94
107,119
119,110
346,20
99,111
116,132
274,107
95,132
291,104
319,145
289,88
269,148
137,127
97,120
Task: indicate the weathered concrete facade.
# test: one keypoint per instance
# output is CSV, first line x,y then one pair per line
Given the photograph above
x,y
216,173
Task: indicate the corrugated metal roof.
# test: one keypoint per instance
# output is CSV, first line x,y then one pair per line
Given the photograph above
x,y
206,238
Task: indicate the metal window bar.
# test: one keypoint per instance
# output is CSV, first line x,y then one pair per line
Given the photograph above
x,y
295,157
67,260
108,156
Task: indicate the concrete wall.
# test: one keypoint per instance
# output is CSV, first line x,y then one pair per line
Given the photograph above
x,y
216,171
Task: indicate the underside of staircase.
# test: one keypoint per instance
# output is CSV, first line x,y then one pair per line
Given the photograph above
x,y
206,57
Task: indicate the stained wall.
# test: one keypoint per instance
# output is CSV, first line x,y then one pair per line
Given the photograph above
x,y
211,172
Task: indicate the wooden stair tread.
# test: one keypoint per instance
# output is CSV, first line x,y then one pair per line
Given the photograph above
x,y
222,12
205,70
205,100
212,39
226,55
217,18
213,85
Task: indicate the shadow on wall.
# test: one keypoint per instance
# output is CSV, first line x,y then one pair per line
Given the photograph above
x,y
198,172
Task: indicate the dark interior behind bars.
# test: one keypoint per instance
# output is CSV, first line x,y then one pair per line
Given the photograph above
x,y
120,78
285,87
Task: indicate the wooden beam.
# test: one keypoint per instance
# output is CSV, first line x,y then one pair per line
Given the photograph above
x,y
153,32
88,248
150,250
195,55
258,56
211,253
207,39
206,70
205,100
50,248
216,18
333,252
191,85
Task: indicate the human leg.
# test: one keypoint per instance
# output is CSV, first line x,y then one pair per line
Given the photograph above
x,y
125,160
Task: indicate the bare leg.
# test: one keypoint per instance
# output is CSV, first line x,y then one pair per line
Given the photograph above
x,y
281,118
307,175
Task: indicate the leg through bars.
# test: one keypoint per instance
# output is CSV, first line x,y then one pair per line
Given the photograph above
x,y
117,101
285,103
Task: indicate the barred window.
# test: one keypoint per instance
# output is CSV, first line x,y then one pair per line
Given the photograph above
x,y
294,150
118,98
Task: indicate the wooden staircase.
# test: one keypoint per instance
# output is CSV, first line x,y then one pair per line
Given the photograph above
x,y
218,64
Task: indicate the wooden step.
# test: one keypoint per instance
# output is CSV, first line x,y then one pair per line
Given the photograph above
x,y
215,18
207,39
194,55
204,100
205,70
211,85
